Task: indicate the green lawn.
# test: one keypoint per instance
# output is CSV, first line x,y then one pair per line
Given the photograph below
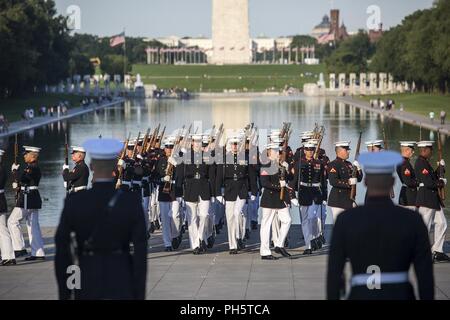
x,y
211,78
13,108
419,103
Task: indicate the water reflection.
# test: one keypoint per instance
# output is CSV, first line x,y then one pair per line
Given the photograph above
x,y
341,121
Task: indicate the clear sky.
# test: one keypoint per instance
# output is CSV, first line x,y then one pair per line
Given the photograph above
x,y
158,18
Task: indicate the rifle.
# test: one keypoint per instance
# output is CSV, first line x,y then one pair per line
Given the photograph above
x,y
144,143
441,190
160,138
133,155
122,157
169,170
321,134
386,148
153,138
355,170
66,160
16,154
285,136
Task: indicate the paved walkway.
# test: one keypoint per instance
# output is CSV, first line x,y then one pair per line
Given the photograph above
x,y
24,125
216,275
404,116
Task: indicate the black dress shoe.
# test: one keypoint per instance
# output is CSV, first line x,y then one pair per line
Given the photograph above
x,y
322,239
285,253
152,227
34,258
241,244
271,257
9,262
157,225
196,251
211,241
440,257
203,246
233,251
175,243
168,249
307,251
314,246
20,253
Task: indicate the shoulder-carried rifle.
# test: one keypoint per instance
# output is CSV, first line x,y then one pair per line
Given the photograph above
x,y
170,168
66,160
441,170
355,169
122,157
319,143
285,136
16,155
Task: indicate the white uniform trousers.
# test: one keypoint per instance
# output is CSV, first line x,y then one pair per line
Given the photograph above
x,y
170,218
197,217
336,212
268,216
243,221
153,210
34,230
440,226
233,211
6,247
321,220
275,229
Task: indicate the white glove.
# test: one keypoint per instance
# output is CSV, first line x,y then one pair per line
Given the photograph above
x,y
65,166
357,165
282,183
285,165
252,198
444,180
15,167
324,203
121,163
166,179
15,185
441,163
219,199
294,202
183,150
213,199
139,157
179,199
353,181
172,161
65,184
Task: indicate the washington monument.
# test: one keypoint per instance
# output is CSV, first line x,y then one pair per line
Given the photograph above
x,y
230,32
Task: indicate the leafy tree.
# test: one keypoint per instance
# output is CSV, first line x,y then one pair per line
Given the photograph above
x,y
114,64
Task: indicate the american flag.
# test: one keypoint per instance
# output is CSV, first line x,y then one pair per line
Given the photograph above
x,y
116,40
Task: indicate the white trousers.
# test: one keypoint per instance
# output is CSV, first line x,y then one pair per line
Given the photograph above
x,y
309,220
34,230
243,221
211,219
440,226
268,216
170,218
153,210
197,217
336,212
275,229
233,211
6,247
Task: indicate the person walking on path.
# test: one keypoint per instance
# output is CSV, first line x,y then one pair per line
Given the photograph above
x,y
443,115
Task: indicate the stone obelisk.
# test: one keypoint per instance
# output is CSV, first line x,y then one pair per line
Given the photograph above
x,y
230,32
